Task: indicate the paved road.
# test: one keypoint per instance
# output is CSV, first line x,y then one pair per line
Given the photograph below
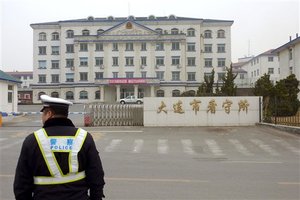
x,y
181,163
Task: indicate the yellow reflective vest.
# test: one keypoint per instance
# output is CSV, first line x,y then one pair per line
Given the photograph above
x,y
50,144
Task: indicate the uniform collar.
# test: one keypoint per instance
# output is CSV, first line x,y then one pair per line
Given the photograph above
x,y
58,122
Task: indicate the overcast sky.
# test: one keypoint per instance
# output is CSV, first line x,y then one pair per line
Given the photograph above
x,y
259,25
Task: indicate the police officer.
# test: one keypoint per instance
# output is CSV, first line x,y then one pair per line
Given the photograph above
x,y
59,161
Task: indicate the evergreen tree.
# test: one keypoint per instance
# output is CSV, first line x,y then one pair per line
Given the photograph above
x,y
228,88
206,88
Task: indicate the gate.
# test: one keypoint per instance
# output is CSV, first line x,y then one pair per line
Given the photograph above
x,y
113,115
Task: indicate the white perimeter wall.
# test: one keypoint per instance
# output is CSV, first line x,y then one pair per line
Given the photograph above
x,y
201,117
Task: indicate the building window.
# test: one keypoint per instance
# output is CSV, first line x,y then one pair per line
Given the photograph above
x,y
270,59
70,33
55,94
160,61
97,94
85,32
143,74
175,60
10,94
144,61
69,77
270,70
175,46
191,47
221,34
144,46
191,61
83,76
160,75
129,74
83,47
160,93
83,95
221,48
159,46
242,76
40,94
115,47
55,36
257,72
54,64
208,48
54,78
291,70
221,76
128,61
55,50
221,62
99,31
69,48
175,76
42,50
207,75
99,47
69,95
98,61
115,61
159,30
176,93
42,64
129,47
207,34
191,32
98,75
42,37
42,78
69,62
290,54
115,74
83,61
191,76
207,62
174,31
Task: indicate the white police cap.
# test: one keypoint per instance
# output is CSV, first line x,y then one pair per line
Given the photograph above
x,y
52,102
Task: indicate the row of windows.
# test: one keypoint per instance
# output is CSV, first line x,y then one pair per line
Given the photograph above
x,y
69,95
83,76
174,31
129,61
270,71
191,47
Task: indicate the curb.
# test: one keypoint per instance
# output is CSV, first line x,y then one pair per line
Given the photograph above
x,y
290,129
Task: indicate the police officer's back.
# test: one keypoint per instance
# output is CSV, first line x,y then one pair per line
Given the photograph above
x,y
59,161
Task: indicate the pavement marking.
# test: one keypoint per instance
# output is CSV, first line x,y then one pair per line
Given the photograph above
x,y
187,146
214,147
240,148
288,146
156,180
113,145
265,147
2,139
11,144
137,145
162,146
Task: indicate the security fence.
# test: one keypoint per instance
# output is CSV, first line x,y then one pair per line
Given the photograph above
x,y
288,121
113,115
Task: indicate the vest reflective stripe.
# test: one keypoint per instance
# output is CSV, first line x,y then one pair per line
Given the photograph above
x,y
57,176
44,180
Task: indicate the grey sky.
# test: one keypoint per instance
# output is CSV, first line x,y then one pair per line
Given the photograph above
x,y
264,24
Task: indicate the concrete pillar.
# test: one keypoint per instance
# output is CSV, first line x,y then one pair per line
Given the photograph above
x,y
136,90
118,88
102,93
152,93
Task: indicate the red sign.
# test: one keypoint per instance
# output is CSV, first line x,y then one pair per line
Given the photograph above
x,y
127,81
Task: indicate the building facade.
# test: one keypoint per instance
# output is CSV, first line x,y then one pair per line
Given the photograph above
x,y
105,59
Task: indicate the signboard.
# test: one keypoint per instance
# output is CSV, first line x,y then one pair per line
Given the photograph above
x,y
127,81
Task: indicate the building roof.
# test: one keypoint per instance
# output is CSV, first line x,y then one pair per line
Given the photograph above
x,y
132,18
287,45
6,77
19,74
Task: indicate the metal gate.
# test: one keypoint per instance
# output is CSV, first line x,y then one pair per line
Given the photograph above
x,y
113,115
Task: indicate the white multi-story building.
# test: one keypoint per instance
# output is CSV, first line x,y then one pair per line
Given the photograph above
x,y
105,59
256,66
